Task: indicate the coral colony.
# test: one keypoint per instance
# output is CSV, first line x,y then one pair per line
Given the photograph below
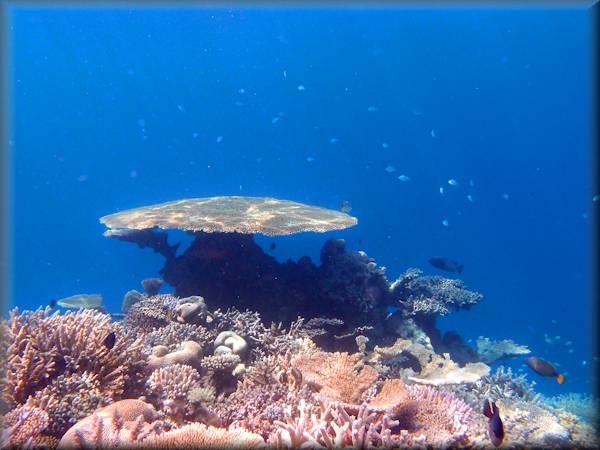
x,y
250,352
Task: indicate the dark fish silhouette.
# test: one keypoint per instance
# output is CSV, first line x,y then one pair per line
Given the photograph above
x,y
544,368
445,264
495,426
109,341
52,303
152,286
273,246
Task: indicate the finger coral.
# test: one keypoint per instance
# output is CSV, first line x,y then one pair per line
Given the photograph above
x,y
336,375
46,346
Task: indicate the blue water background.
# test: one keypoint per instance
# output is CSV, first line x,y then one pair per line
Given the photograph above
x,y
114,109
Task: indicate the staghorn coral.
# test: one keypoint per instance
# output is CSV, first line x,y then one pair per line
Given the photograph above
x,y
46,346
23,427
584,406
116,425
151,313
198,435
68,399
335,375
431,295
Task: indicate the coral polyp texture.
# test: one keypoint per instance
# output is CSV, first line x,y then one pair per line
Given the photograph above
x,y
249,352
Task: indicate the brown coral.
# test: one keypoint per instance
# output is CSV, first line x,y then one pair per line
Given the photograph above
x,y
198,435
151,313
45,346
22,426
171,386
188,352
68,399
440,417
335,375
118,424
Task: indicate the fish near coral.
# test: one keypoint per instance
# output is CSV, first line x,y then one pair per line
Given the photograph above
x,y
495,425
445,264
544,368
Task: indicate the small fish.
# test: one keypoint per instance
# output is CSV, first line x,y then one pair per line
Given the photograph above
x,y
442,190
372,109
273,246
219,139
404,178
470,198
385,145
275,120
471,183
301,88
52,303
334,140
241,91
544,368
495,426
390,169
309,159
109,341
432,133
505,196
345,206
596,197
445,264
452,182
445,222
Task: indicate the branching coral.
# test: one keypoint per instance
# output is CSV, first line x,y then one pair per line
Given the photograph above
x,y
170,388
46,346
583,405
68,399
335,375
22,427
418,294
490,351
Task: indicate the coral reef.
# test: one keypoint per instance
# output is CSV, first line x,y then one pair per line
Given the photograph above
x,y
46,346
491,351
431,294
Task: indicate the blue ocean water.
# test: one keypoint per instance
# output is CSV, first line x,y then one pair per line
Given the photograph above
x,y
119,108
